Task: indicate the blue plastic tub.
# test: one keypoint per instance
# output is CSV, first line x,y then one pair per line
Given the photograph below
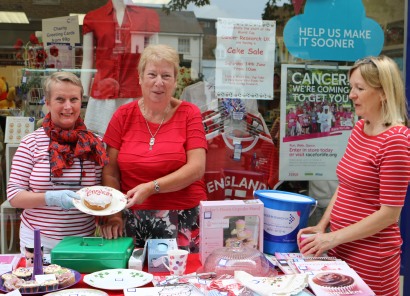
x,y
285,214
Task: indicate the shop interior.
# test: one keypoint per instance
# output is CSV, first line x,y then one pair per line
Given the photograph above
x,y
23,67
22,77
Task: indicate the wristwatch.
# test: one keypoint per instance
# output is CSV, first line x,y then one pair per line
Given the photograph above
x,y
156,186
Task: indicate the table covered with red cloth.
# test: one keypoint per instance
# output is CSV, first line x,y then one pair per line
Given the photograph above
x,y
192,266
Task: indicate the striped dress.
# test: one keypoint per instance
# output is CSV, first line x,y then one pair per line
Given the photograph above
x,y
374,171
30,171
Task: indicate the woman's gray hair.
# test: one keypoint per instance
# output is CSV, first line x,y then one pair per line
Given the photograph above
x,y
60,77
156,53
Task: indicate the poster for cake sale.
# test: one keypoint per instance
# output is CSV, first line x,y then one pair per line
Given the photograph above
x,y
317,117
245,55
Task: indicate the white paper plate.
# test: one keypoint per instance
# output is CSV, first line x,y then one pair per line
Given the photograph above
x,y
79,292
118,203
117,279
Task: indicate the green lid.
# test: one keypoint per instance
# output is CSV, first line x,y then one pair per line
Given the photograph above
x,y
73,247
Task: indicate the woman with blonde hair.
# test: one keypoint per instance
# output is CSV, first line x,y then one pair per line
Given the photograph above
x,y
373,175
52,163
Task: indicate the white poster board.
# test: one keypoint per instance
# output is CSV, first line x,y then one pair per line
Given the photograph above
x,y
245,55
317,117
60,35
64,30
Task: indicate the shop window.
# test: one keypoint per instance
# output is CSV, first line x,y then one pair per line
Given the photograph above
x,y
184,45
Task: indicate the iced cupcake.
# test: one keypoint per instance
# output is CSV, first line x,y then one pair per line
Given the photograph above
x,y
29,287
7,276
11,282
23,272
334,282
51,269
49,285
65,277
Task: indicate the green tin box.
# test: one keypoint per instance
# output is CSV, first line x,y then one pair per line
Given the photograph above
x,y
90,254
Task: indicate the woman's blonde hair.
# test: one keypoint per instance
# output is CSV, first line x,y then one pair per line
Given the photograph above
x,y
60,77
383,73
159,52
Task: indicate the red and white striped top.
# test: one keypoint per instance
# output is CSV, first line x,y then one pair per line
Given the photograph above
x,y
374,171
30,171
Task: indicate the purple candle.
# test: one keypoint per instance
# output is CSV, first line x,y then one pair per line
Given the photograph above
x,y
38,256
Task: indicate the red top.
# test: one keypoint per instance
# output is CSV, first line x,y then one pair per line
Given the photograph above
x,y
115,59
236,167
127,132
374,171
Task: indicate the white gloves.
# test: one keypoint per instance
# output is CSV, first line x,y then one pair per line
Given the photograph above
x,y
61,198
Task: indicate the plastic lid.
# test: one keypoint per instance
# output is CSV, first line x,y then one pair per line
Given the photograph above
x,y
226,260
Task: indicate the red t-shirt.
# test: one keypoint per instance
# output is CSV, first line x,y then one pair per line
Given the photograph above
x,y
115,59
127,132
235,167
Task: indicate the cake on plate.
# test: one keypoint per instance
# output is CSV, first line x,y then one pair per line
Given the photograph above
x,y
97,198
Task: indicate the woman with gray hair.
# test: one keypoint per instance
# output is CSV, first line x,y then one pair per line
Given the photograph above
x,y
157,150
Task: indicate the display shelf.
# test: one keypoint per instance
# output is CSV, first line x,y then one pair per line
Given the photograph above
x,y
9,214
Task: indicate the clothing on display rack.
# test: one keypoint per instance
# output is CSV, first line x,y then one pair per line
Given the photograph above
x,y
241,155
233,115
202,94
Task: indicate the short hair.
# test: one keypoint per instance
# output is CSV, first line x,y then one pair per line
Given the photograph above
x,y
156,53
383,73
60,77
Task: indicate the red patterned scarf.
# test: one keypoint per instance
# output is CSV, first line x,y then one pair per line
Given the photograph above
x,y
65,145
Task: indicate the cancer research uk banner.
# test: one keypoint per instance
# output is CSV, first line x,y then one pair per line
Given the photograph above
x,y
245,55
317,117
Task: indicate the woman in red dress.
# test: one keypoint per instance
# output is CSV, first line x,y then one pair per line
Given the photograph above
x,y
373,175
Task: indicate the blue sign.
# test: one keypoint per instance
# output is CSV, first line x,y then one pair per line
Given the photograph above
x,y
335,30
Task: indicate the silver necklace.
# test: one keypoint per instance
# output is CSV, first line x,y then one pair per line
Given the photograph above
x,y
152,139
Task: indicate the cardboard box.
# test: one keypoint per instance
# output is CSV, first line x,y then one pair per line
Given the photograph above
x,y
8,262
90,254
224,223
137,258
157,248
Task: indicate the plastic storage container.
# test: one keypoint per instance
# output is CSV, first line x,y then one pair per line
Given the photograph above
x,y
285,213
226,260
90,254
